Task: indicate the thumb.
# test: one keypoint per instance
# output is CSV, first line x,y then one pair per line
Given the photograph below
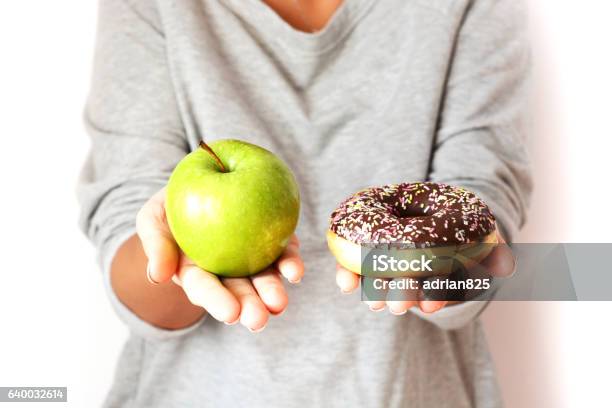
x,y
157,241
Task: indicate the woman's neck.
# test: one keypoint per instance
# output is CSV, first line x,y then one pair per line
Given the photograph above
x,y
305,15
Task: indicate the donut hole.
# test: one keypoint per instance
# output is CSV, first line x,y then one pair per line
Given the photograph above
x,y
411,211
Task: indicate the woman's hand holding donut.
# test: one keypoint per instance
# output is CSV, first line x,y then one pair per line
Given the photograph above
x,y
429,215
499,263
249,301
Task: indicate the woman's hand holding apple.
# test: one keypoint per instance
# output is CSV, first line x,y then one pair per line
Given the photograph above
x,y
249,300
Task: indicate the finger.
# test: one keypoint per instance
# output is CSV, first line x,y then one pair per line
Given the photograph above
x,y
500,262
294,240
379,294
376,305
204,289
500,237
157,241
400,300
346,280
253,314
400,307
431,306
269,286
290,264
183,261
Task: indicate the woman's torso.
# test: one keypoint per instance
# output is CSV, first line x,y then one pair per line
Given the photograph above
x,y
353,106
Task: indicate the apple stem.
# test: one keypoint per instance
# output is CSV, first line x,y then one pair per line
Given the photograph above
x,y
214,155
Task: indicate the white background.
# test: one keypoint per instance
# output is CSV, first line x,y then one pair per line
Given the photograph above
x,y
57,326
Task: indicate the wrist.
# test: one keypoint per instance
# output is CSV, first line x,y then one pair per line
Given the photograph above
x,y
164,305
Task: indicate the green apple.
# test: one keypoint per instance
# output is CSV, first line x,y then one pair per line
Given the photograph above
x,y
232,207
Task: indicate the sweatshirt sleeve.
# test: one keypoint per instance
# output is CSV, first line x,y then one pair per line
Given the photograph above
x,y
481,138
137,136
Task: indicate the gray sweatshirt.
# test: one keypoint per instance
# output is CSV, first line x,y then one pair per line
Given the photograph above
x,y
390,91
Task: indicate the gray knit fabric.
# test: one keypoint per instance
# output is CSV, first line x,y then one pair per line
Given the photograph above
x,y
390,91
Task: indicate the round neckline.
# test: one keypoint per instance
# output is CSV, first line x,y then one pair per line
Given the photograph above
x,y
258,14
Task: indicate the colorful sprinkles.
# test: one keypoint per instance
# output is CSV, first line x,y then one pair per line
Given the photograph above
x,y
422,214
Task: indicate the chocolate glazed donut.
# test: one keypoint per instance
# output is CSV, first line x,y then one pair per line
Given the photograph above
x,y
437,217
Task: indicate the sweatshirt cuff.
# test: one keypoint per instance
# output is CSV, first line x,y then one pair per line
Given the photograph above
x,y
508,228
135,324
454,316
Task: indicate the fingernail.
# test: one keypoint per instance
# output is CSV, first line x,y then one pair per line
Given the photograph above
x,y
278,313
257,330
295,282
398,314
232,323
347,292
430,311
377,310
149,278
